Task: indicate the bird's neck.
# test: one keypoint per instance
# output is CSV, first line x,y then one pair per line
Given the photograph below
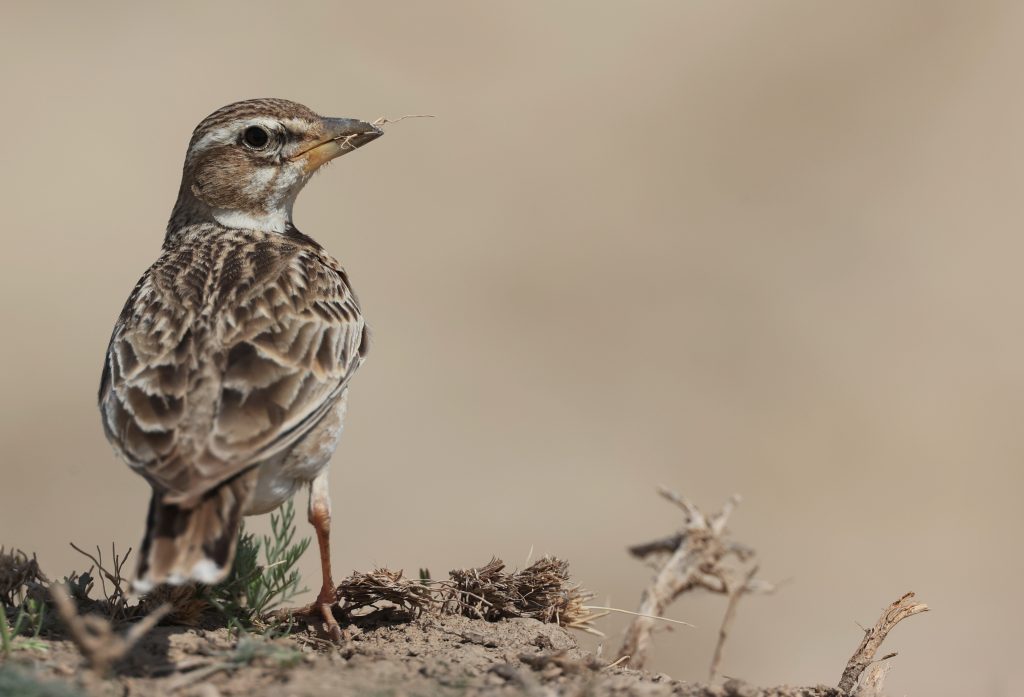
x,y
190,210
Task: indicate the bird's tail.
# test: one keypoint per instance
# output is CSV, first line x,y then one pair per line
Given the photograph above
x,y
193,542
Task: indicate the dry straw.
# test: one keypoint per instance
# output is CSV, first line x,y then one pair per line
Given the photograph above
x,y
365,590
542,591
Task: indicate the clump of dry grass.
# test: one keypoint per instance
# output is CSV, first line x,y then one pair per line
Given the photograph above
x,y
189,604
548,594
362,590
17,573
542,591
484,592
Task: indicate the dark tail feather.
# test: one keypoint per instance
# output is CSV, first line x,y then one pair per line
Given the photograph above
x,y
195,543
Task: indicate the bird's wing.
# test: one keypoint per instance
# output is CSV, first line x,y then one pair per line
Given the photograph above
x,y
195,392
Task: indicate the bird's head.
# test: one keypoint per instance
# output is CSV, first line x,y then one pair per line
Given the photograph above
x,y
247,162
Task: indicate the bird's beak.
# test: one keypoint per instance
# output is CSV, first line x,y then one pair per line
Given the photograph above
x,y
340,136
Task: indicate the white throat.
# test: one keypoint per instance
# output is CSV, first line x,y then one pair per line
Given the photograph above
x,y
276,220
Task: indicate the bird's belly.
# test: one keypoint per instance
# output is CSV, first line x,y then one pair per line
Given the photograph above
x,y
280,477
273,488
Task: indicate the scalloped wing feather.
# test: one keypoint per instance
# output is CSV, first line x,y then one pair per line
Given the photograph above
x,y
230,349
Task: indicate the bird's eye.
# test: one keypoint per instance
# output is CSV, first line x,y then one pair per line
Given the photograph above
x,y
256,137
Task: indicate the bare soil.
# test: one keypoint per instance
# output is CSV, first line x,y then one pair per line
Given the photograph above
x,y
384,654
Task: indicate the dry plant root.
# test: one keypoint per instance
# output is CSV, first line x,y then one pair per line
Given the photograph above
x,y
863,675
698,556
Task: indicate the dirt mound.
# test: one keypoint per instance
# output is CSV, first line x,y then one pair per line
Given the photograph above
x,y
482,631
383,655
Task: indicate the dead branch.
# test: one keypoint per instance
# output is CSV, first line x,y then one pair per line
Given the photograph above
x,y
116,598
95,637
897,611
665,545
730,613
870,683
694,557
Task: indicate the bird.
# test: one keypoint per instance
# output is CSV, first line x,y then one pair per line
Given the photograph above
x,y
225,381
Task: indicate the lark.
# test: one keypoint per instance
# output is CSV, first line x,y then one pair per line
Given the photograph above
x,y
226,379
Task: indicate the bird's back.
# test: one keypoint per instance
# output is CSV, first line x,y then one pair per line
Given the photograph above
x,y
231,347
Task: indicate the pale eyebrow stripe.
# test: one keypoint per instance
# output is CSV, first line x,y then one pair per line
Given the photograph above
x,y
224,135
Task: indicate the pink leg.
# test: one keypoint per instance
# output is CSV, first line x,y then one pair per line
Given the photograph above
x,y
320,518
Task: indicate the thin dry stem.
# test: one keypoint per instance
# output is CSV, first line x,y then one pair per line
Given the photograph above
x,y
116,597
730,614
384,121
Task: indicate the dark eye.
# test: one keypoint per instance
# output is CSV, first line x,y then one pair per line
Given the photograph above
x,y
256,137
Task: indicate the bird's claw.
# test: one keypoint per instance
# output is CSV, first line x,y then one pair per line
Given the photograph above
x,y
320,610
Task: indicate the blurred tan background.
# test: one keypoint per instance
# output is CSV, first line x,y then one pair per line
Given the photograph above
x,y
763,247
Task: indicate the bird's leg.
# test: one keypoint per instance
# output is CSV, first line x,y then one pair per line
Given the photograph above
x,y
320,519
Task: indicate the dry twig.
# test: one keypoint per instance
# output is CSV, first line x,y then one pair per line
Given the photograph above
x,y
691,558
730,613
346,141
384,121
116,598
897,611
95,637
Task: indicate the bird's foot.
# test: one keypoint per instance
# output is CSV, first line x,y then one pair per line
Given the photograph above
x,y
318,613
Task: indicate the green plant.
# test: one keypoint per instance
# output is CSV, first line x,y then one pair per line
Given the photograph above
x,y
6,641
28,621
253,589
